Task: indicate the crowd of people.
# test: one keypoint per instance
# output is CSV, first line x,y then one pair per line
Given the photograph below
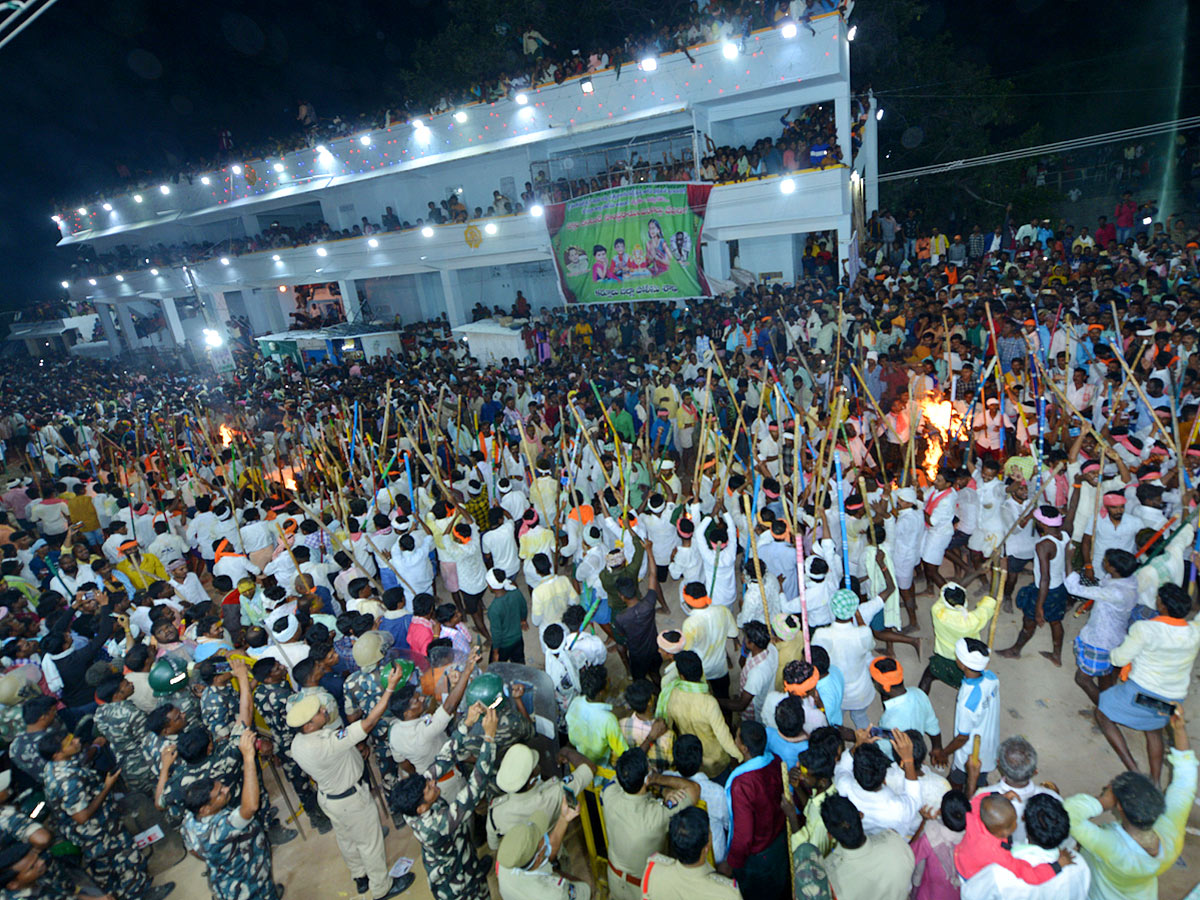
x,y
737,552
808,140
535,61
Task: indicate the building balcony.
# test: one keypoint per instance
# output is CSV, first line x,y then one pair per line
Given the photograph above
x,y
708,83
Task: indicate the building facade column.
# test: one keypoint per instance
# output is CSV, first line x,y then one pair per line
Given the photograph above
x,y
452,297
350,303
104,311
870,151
127,328
171,314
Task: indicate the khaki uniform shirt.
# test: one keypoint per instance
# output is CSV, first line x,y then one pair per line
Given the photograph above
x,y
510,810
538,884
669,879
330,757
636,827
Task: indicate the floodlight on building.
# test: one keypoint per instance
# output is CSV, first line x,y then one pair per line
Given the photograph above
x,y
522,98
536,210
224,260
372,243
66,284
154,271
460,117
213,338
164,189
137,198
787,186
82,210
107,207
427,231
321,251
490,228
237,170
205,180
649,63
729,50
586,86
788,30
365,140
852,33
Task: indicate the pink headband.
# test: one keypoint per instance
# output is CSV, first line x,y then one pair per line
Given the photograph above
x,y
1114,499
1150,476
1090,466
1048,521
1124,441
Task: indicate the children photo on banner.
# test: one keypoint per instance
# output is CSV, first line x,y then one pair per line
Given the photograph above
x,y
639,242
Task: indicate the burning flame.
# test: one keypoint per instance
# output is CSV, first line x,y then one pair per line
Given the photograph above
x,y
226,435
938,419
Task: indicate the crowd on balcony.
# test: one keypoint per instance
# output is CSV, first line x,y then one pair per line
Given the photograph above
x,y
540,62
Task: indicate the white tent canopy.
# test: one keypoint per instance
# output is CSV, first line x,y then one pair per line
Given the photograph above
x,y
489,342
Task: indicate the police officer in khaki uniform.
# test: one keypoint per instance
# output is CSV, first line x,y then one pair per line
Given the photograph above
x,y
635,821
523,862
526,793
331,758
686,873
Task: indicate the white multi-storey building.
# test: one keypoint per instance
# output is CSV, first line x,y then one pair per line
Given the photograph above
x,y
718,94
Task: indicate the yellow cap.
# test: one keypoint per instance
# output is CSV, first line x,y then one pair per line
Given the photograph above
x,y
303,711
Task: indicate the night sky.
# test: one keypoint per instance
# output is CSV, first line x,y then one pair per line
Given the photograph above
x,y
149,83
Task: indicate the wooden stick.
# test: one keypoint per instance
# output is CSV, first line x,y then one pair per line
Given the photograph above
x,y
999,595
1150,409
700,447
762,590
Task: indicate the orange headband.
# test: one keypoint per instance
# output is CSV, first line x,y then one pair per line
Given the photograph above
x,y
886,680
697,602
804,687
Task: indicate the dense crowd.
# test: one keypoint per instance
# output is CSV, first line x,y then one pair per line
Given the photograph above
x,y
724,553
808,140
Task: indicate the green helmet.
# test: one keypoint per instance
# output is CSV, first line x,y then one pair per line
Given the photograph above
x,y
168,676
484,689
406,668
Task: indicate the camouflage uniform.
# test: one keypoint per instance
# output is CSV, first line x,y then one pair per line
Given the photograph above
x,y
11,723
109,854
16,826
24,753
123,725
219,707
513,728
271,702
362,690
237,853
188,703
223,764
454,869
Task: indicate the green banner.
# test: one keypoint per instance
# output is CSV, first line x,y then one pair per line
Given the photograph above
x,y
624,244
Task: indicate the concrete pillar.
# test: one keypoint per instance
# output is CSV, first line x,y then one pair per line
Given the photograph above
x,y
126,318
277,302
870,153
171,314
218,312
715,257
349,291
841,112
104,311
845,227
454,305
